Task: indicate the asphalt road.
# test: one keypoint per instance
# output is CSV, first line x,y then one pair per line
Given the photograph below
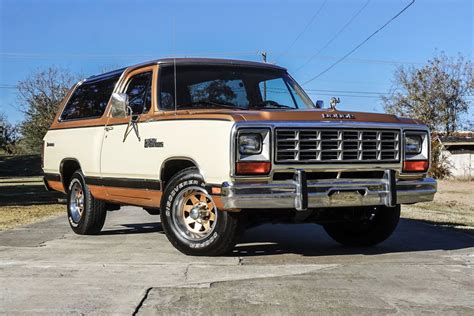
x,y
277,269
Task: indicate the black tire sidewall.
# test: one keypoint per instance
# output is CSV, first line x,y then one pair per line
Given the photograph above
x,y
384,225
209,245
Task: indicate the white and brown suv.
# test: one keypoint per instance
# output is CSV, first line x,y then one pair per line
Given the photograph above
x,y
208,143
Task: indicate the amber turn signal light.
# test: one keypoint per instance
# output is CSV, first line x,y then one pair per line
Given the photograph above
x,y
216,190
251,168
416,166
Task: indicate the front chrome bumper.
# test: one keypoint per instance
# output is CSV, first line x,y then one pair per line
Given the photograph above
x,y
302,194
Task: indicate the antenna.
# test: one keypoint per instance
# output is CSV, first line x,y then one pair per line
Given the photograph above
x,y
174,65
175,93
264,57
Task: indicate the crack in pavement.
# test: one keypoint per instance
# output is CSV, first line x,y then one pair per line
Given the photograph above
x,y
142,301
44,242
213,283
186,273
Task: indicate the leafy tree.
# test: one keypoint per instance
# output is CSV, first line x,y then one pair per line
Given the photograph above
x,y
440,165
39,98
436,93
216,91
9,137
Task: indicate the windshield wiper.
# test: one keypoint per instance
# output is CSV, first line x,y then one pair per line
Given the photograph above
x,y
271,105
215,104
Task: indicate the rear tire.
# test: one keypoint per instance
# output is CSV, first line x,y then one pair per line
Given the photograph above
x,y
191,220
86,215
378,227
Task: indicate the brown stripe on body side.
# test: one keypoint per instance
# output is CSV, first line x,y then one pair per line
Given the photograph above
x,y
126,196
140,197
99,192
56,185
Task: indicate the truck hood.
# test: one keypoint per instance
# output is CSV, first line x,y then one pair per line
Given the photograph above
x,y
299,115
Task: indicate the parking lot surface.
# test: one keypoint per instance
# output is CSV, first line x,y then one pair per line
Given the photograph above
x,y
131,268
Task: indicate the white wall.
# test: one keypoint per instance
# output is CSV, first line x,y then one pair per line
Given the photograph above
x,y
462,164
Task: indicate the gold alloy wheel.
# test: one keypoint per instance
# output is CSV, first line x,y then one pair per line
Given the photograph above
x,y
195,213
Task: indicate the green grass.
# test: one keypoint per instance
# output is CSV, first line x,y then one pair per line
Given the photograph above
x,y
453,206
13,216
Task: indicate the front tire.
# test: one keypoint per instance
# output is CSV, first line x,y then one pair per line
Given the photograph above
x,y
378,224
192,222
86,215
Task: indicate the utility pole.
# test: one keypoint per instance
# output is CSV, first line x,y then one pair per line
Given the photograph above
x,y
264,57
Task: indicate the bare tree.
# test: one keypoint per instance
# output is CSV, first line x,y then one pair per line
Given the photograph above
x,y
39,98
437,93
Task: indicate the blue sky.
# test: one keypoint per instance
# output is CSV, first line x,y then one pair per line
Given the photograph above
x,y
88,36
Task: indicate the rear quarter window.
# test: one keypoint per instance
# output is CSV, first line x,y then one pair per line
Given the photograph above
x,y
89,100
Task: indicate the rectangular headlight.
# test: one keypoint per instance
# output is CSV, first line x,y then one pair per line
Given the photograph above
x,y
250,144
252,151
417,151
413,144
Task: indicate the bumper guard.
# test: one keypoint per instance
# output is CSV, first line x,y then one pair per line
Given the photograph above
x,y
302,194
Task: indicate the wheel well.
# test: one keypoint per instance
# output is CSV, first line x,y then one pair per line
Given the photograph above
x,y
68,167
172,167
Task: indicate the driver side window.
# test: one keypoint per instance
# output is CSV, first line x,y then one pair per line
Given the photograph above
x,y
139,92
277,91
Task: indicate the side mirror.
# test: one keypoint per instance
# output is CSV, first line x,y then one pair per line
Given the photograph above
x,y
119,104
319,104
133,116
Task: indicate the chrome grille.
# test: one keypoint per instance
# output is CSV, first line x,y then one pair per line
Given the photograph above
x,y
335,145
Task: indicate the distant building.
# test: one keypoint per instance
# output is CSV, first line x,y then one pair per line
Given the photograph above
x,y
459,150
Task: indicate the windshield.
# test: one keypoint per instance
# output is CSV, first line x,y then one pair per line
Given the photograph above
x,y
233,87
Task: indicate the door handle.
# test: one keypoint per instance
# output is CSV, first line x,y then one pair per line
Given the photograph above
x,y
108,128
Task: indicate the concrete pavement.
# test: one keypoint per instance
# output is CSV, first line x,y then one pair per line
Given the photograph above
x,y
277,269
